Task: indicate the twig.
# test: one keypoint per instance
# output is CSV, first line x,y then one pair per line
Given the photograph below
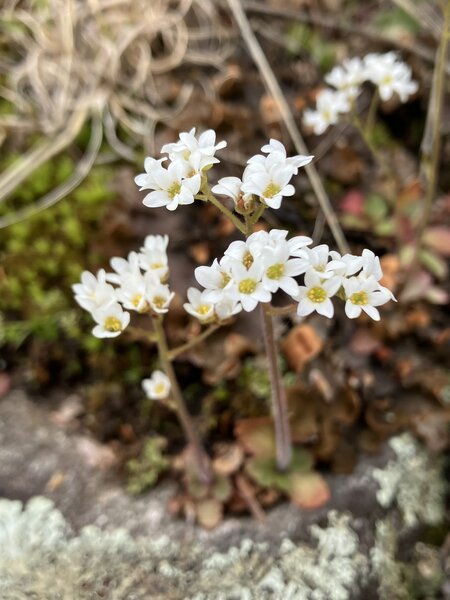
x,y
18,172
330,22
422,15
252,503
431,141
81,172
192,343
275,90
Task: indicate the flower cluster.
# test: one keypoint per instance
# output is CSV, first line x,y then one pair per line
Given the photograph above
x,y
251,272
386,71
265,179
141,287
181,180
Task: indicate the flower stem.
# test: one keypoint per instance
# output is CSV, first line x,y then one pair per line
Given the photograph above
x,y
372,112
201,459
279,401
196,340
223,209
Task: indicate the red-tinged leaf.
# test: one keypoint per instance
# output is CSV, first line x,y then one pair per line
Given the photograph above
x,y
438,238
353,203
436,295
256,436
309,490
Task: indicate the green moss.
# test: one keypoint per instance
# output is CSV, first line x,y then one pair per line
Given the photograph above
x,y
144,471
42,256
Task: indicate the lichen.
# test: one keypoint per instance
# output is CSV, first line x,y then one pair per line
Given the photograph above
x,y
413,481
43,558
421,577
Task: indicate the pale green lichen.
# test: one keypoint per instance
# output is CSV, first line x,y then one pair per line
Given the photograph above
x,y
413,481
421,577
42,558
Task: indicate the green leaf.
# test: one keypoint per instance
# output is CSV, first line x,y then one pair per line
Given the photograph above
x,y
434,264
375,207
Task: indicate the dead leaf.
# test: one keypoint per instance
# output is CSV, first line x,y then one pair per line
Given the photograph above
x,y
309,490
96,455
301,345
228,458
256,436
55,481
438,238
209,512
269,110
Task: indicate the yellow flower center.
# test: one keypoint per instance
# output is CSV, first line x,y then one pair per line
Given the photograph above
x,y
112,324
387,79
158,301
204,309
247,286
359,298
247,260
156,265
320,268
174,189
226,279
275,271
136,300
326,115
159,388
317,294
271,190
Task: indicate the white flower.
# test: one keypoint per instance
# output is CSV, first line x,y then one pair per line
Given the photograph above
x,y
231,187
280,270
134,290
172,187
146,181
123,267
112,320
158,296
390,75
227,306
239,251
371,265
93,291
315,295
157,387
345,265
216,279
270,186
363,295
249,288
348,77
316,259
156,243
199,306
198,154
154,262
329,105
277,155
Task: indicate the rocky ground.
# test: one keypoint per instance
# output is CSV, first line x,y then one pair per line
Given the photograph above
x,y
79,529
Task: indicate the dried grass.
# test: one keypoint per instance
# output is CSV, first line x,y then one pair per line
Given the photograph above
x,y
64,62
